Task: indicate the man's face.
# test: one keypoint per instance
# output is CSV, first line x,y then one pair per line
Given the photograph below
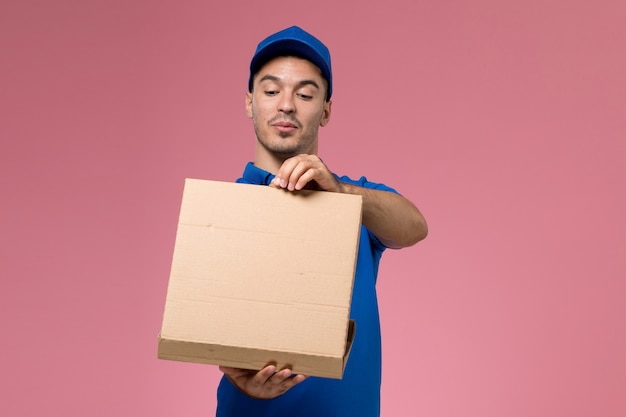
x,y
288,105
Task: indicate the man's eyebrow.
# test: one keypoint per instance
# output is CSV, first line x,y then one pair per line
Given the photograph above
x,y
308,82
269,77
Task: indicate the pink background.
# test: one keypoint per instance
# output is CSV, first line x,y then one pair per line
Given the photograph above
x,y
505,121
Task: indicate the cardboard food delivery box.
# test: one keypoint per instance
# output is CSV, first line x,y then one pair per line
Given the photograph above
x,y
262,275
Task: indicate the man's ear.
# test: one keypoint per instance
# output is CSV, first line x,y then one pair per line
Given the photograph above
x,y
326,114
249,104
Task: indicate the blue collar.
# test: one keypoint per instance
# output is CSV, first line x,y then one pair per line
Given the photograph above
x,y
255,175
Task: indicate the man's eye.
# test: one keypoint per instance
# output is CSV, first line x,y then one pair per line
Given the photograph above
x,y
305,96
271,92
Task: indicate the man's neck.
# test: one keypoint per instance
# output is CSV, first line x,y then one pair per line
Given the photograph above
x,y
268,162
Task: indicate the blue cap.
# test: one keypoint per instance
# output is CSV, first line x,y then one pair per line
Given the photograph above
x,y
293,41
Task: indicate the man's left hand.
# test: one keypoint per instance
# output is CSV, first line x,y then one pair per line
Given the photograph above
x,y
306,171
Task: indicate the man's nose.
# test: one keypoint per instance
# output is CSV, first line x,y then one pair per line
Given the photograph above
x,y
286,103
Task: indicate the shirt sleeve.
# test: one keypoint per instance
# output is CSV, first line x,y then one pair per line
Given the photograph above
x,y
363,182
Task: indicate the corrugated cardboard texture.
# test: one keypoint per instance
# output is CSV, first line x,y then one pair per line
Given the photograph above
x,y
261,275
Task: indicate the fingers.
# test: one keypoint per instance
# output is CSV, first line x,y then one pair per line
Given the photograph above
x,y
288,176
264,375
266,383
279,381
297,172
274,184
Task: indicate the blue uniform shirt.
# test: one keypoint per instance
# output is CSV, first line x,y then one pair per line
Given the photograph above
x,y
358,392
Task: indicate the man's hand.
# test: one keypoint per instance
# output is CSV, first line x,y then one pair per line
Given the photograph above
x,y
306,171
394,220
264,384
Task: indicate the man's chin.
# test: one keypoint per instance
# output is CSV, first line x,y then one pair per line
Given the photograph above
x,y
285,150
285,153
285,147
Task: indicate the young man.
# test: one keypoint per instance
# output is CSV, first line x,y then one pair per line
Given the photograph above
x,y
288,99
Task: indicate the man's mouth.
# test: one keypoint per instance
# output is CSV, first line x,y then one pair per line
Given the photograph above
x,y
284,126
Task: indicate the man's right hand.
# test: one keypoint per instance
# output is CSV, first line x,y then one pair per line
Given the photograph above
x,y
264,384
